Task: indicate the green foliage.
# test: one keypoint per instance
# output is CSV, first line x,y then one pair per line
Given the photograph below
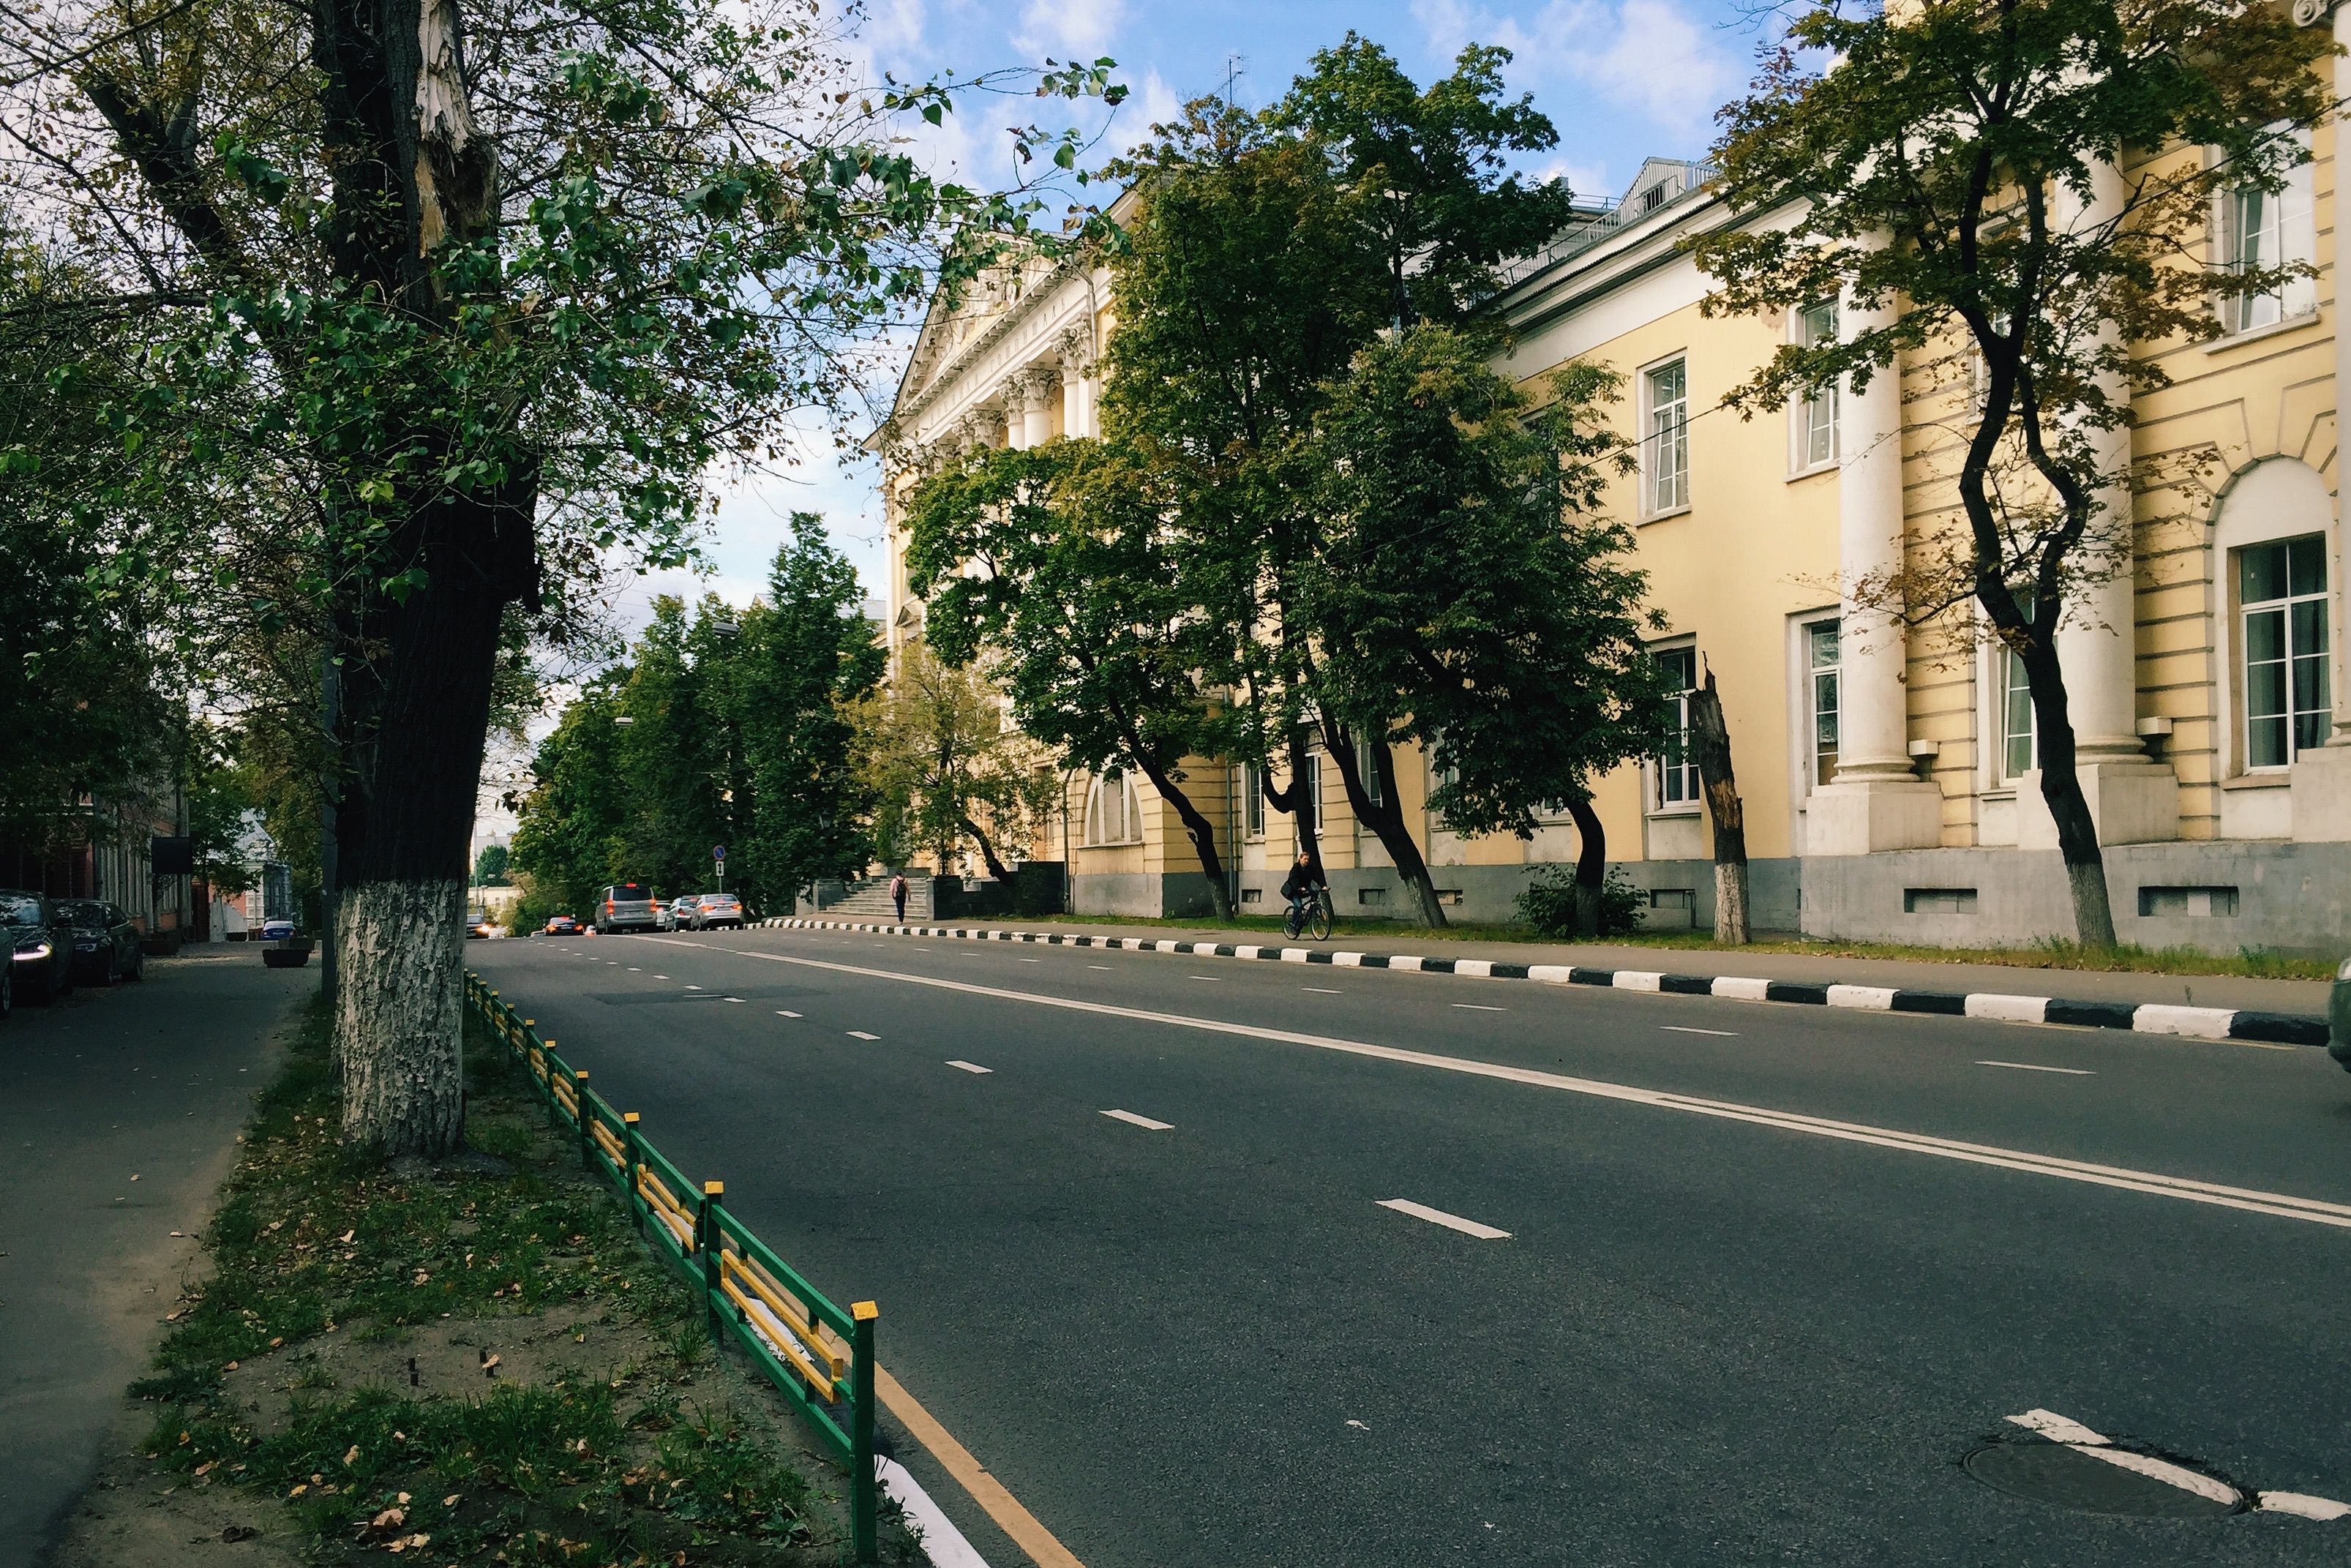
x,y
1548,906
1466,595
490,865
933,746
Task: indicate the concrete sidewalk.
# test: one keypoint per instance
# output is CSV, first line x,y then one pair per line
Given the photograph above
x,y
2074,985
118,1117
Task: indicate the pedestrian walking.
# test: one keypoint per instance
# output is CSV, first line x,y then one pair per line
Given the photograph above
x,y
898,895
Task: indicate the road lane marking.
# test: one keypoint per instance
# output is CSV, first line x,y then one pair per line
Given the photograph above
x,y
2072,1433
1450,1222
1131,1118
984,1489
971,1066
1322,990
1212,979
783,1013
1686,1028
1032,960
2251,1200
693,987
943,1544
1479,1007
861,1034
2055,1427
661,977
2036,1067
2300,1504
634,970
734,998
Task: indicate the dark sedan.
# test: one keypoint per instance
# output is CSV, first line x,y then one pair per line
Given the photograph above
x,y
105,943
2338,1033
43,943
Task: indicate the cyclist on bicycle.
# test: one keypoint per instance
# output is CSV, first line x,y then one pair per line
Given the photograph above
x,y
1304,884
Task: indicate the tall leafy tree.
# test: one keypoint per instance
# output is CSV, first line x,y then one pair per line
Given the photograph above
x,y
472,293
1470,596
1956,172
570,822
807,656
1076,612
933,746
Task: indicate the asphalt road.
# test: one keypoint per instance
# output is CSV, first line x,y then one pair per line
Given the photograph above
x,y
119,1115
1771,1273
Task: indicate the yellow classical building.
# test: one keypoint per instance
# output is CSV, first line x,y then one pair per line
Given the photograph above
x,y
1888,774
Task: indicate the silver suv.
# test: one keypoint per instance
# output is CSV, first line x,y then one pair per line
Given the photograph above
x,y
626,906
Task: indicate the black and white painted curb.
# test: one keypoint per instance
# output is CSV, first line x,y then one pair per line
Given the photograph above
x,y
2146,1017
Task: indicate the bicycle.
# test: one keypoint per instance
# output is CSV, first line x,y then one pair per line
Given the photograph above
x,y
1311,916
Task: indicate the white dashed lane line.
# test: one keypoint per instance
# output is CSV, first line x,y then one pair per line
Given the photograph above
x,y
2072,1433
1103,968
1131,1118
2036,1067
1479,1007
786,1013
1684,1029
971,1067
1322,990
861,1034
1450,1222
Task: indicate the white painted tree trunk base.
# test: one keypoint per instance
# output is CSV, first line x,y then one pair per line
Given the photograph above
x,y
400,1016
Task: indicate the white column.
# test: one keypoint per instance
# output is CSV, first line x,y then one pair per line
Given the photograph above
x,y
1077,421
2096,643
1036,413
1876,801
2132,798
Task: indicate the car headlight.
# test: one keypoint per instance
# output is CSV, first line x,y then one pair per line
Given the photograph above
x,y
2343,971
39,950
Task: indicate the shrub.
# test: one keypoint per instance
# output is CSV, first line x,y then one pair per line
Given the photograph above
x,y
1548,906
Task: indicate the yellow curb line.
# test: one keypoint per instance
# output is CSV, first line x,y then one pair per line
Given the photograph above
x,y
986,1491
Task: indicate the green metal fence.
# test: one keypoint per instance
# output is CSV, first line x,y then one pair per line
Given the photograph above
x,y
818,1357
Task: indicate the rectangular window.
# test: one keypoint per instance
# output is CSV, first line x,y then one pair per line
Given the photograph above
x,y
1367,766
2019,750
2282,606
1827,694
2258,230
1677,783
1309,791
1667,439
1816,417
1252,801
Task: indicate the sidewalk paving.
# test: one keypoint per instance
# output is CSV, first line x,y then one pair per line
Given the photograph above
x,y
118,1115
2302,996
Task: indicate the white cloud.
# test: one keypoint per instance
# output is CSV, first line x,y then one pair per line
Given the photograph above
x,y
1651,55
1153,102
1069,28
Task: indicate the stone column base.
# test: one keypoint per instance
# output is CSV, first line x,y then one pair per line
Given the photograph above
x,y
1859,818
2133,802
2319,784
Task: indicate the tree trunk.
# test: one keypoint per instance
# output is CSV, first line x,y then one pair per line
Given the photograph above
x,y
1203,833
1292,800
1711,748
2061,789
1384,816
415,715
1591,864
996,868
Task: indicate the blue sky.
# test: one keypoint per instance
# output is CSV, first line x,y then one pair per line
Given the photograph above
x,y
1621,79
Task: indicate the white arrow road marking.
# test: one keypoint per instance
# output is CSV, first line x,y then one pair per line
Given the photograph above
x,y
1130,1117
2251,1200
1450,1222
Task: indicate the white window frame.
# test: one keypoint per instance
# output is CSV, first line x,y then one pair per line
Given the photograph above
x,y
1252,802
2240,616
1812,671
1130,809
1822,413
2288,226
1662,775
1309,798
1367,768
1652,449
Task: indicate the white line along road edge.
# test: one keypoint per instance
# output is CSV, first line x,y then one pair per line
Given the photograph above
x,y
2072,1433
942,1544
2251,1200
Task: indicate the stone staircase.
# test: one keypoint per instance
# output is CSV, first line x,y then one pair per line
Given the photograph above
x,y
870,900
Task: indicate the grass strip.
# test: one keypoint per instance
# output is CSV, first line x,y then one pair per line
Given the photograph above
x,y
478,1362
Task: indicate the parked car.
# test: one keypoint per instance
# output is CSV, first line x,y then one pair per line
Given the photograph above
x,y
716,909
626,906
2338,1017
679,916
478,925
43,962
276,928
105,943
560,925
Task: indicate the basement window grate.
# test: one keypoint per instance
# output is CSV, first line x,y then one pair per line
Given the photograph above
x,y
1939,900
2188,903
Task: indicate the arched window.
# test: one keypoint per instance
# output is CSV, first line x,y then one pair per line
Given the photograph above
x,y
1114,812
